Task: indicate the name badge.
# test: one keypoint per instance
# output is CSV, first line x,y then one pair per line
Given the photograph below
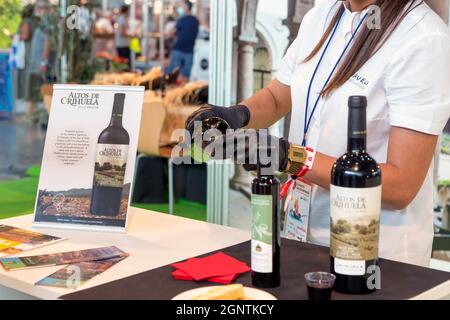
x,y
297,209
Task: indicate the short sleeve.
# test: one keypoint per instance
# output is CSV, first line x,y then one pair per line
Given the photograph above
x,y
287,65
318,16
289,61
417,83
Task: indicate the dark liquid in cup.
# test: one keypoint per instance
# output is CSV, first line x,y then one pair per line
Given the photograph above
x,y
319,292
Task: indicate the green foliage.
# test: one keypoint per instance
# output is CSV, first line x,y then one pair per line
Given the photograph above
x,y
344,227
84,70
9,21
118,67
445,144
444,183
81,68
341,227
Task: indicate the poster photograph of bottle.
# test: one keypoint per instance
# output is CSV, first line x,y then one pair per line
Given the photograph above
x,y
89,157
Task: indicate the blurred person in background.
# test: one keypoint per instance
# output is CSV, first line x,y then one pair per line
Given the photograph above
x,y
40,55
25,34
103,33
187,28
170,31
123,35
85,24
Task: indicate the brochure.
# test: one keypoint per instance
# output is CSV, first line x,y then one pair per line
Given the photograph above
x,y
47,260
75,275
16,240
89,157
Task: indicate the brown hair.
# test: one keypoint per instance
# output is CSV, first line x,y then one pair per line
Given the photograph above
x,y
367,42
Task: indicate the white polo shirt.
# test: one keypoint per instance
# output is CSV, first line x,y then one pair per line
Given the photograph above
x,y
407,83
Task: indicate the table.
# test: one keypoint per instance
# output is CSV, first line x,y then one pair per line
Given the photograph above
x,y
155,240
152,240
399,281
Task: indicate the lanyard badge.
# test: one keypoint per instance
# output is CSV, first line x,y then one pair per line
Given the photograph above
x,y
297,211
298,190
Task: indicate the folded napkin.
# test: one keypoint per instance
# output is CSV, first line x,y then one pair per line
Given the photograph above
x,y
180,275
218,268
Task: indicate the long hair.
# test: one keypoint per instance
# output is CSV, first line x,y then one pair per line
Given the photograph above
x,y
367,42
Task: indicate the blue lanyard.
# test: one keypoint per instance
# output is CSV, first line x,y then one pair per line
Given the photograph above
x,y
308,120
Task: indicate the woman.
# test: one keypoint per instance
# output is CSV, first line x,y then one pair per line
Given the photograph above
x,y
26,27
123,35
40,57
403,67
103,34
25,34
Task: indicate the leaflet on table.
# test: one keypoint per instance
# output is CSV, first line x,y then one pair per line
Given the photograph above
x,y
75,275
47,260
89,157
16,240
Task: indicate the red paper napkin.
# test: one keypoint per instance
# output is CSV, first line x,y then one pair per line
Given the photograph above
x,y
219,268
180,275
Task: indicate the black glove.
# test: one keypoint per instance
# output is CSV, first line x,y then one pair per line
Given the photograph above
x,y
252,148
236,116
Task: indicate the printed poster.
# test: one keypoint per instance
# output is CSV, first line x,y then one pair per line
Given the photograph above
x,y
89,157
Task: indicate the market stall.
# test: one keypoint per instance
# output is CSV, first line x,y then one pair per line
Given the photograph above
x,y
87,240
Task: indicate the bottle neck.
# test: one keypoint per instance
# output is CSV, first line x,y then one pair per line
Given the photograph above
x,y
116,120
265,172
356,145
357,130
117,112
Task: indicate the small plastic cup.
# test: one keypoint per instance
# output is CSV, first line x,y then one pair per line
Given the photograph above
x,y
320,285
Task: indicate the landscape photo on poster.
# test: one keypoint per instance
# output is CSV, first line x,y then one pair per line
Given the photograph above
x,y
89,156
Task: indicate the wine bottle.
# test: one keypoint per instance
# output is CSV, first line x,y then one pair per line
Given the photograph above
x,y
110,164
355,199
265,243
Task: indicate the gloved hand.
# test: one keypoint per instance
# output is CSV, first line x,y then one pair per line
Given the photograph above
x,y
236,116
252,148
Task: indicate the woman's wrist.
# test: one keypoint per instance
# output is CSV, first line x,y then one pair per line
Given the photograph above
x,y
243,114
300,160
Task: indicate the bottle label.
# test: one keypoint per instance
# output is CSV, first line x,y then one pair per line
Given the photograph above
x,y
262,249
355,224
110,165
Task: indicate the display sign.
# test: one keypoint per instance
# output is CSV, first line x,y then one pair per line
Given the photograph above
x,y
89,157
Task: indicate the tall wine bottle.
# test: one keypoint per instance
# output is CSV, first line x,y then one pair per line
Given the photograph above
x,y
110,164
265,252
355,208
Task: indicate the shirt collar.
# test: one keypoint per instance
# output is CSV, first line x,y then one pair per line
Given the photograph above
x,y
352,19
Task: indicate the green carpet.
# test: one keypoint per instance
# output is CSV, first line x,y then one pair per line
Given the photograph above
x,y
17,197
